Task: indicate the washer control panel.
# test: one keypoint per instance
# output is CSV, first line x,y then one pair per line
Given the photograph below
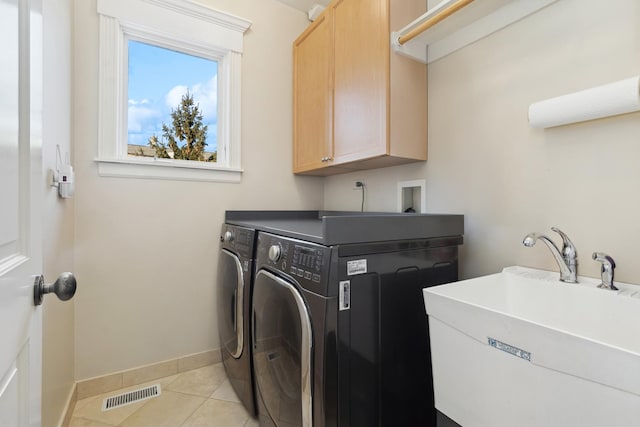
x,y
307,263
304,262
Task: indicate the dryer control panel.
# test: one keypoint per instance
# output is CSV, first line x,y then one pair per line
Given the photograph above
x,y
305,262
237,239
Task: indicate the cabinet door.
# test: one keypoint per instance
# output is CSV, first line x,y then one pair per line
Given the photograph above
x,y
312,97
361,83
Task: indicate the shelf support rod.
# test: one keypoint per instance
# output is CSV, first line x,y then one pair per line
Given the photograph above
x,y
433,20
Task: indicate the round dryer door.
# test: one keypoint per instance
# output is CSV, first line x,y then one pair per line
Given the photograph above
x,y
281,351
230,300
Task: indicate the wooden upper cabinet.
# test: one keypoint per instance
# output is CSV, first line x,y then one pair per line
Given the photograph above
x,y
361,59
312,96
374,113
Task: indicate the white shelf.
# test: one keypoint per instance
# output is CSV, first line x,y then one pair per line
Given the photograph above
x,y
469,24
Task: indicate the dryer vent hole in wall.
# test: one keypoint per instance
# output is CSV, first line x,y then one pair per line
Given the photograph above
x,y
412,196
130,397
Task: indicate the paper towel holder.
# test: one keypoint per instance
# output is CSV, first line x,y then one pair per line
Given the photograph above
x,y
612,99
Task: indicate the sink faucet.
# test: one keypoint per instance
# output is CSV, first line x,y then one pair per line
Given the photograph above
x,y
567,259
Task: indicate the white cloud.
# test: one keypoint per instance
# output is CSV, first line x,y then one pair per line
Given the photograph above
x,y
173,98
205,95
141,118
143,102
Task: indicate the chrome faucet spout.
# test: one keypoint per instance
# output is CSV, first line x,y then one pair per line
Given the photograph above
x,y
567,258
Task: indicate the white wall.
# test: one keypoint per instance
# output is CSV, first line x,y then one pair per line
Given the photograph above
x,y
58,328
509,179
146,250
146,278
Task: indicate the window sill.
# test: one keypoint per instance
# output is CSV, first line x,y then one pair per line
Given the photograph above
x,y
180,170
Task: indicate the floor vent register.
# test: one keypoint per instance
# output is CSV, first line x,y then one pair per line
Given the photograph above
x,y
130,397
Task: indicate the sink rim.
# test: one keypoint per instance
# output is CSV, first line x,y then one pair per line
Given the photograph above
x,y
611,330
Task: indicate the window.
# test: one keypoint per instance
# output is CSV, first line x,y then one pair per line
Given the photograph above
x,y
159,56
165,89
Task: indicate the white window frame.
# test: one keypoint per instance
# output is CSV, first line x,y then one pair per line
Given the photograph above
x,y
187,27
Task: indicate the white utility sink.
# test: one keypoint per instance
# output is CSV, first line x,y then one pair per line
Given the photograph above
x,y
521,348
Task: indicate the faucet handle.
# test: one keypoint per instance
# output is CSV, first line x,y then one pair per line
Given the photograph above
x,y
568,248
606,270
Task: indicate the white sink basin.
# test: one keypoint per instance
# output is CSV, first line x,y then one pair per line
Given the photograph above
x,y
522,348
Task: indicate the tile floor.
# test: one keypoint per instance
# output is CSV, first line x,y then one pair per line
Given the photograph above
x,y
198,398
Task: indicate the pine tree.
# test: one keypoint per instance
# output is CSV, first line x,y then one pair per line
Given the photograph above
x,y
187,135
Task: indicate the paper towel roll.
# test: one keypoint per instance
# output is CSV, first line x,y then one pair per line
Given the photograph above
x,y
607,100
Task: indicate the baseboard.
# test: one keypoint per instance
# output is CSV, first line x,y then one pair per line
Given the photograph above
x,y
110,382
69,407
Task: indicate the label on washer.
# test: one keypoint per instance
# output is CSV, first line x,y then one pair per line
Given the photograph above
x,y
357,266
345,295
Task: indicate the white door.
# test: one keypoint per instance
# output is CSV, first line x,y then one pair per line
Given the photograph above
x,y
20,215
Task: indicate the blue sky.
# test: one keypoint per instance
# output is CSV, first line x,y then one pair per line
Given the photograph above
x,y
158,78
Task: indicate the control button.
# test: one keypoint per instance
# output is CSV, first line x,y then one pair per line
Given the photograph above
x,y
293,270
228,237
307,275
275,252
300,272
316,278
284,265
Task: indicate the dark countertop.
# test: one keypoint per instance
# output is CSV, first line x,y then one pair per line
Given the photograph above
x,y
335,227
